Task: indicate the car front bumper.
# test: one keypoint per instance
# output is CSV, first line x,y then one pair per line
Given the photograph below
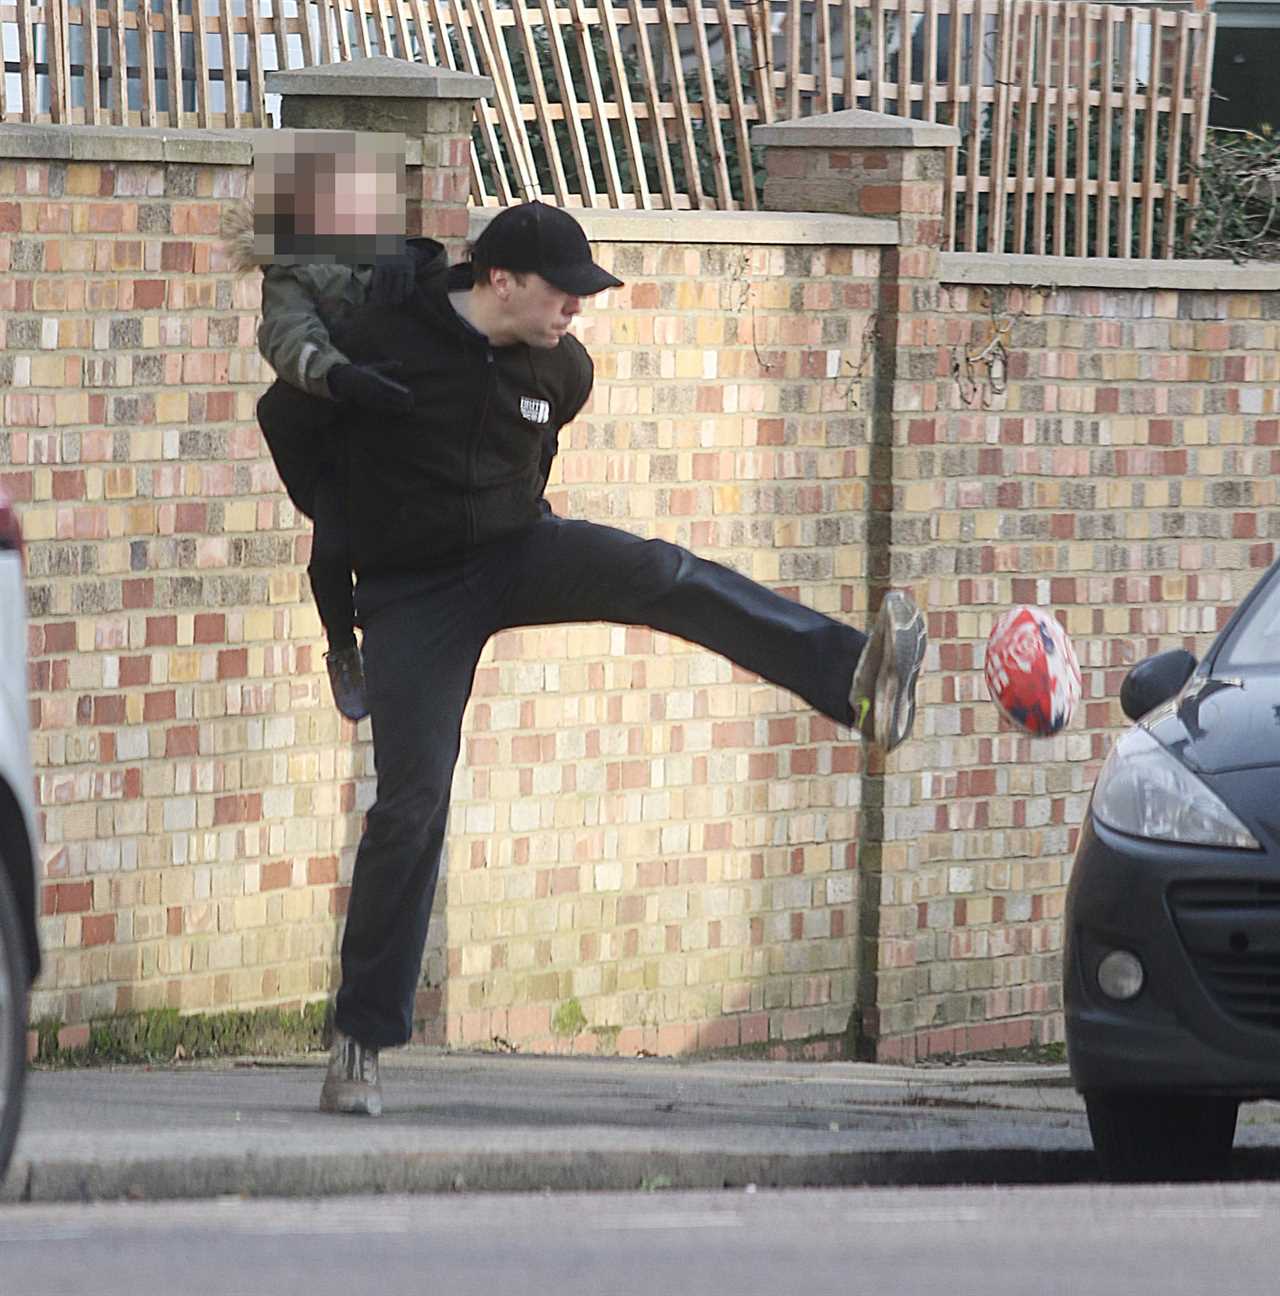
x,y
1176,1035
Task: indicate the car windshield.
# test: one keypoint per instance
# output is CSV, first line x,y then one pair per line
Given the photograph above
x,y
1255,640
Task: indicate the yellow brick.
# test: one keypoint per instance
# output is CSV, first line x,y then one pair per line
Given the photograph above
x,y
171,407
259,624
710,330
48,371
283,587
688,364
241,515
148,443
184,668
119,483
84,180
39,523
726,499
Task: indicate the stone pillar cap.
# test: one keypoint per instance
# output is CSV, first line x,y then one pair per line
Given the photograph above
x,y
379,78
856,128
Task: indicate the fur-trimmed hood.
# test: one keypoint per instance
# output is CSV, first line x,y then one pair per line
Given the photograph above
x,y
238,236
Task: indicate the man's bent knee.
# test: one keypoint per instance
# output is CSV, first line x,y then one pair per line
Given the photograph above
x,y
653,571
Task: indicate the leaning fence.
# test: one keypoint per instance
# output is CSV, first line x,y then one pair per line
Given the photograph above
x,y
1080,123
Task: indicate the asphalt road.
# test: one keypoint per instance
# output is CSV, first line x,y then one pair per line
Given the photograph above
x,y
1087,1239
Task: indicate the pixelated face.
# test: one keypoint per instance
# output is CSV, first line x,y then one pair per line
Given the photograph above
x,y
328,196
534,312
359,198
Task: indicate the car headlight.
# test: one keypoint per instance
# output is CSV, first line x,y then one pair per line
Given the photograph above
x,y
1146,792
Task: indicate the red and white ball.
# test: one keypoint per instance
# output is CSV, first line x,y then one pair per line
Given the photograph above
x,y
1032,672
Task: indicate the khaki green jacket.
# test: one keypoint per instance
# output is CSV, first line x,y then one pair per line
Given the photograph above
x,y
301,307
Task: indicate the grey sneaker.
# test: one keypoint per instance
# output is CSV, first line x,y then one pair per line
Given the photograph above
x,y
346,678
883,695
352,1083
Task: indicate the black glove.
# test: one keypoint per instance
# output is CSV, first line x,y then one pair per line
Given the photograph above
x,y
393,280
369,387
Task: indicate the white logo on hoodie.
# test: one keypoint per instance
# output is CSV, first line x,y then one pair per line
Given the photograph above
x,y
536,411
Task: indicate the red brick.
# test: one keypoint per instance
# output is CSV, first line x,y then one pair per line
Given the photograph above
x,y
182,740
148,294
69,897
138,594
162,631
210,627
233,663
754,1028
97,929
109,710
160,706
245,807
322,870
134,671
276,874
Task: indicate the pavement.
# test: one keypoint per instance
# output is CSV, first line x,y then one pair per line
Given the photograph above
x,y
508,1122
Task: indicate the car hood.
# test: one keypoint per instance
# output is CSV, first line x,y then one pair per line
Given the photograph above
x,y
1221,724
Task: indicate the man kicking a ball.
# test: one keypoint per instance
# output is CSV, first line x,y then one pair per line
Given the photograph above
x,y
452,541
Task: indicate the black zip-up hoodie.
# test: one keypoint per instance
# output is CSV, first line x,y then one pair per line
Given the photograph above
x,y
470,462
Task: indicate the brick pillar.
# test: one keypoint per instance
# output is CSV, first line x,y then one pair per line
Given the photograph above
x,y
434,105
869,164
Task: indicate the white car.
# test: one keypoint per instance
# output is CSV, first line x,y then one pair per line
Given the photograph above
x,y
19,946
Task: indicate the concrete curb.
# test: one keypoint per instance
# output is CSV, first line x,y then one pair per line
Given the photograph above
x,y
625,1171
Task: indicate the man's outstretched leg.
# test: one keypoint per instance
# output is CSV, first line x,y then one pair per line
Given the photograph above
x,y
578,571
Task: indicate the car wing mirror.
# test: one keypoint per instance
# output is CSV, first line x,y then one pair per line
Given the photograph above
x,y
1154,681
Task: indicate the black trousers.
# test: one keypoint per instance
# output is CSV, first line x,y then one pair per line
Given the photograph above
x,y
420,657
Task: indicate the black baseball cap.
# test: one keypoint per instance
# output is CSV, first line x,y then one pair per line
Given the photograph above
x,y
547,241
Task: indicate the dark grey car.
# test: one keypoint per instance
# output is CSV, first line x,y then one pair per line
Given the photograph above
x,y
1172,966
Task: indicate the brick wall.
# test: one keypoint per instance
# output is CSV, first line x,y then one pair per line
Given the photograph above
x,y
650,850
638,825
192,788
1123,473
200,798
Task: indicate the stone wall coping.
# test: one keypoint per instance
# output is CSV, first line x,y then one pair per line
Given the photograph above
x,y
856,128
379,77
144,144
125,144
746,227
1106,272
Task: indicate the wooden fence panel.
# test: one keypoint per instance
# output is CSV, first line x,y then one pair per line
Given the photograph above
x,y
1080,123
